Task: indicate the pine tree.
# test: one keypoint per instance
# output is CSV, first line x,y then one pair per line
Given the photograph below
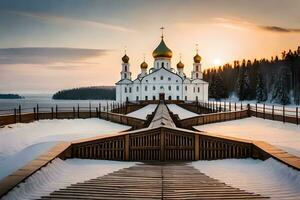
x,y
281,89
261,92
220,89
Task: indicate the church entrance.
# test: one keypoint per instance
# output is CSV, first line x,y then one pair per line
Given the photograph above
x,y
161,96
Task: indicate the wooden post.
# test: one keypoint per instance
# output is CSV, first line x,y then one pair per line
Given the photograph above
x,y
52,113
297,117
127,146
230,106
256,110
283,117
162,145
264,109
224,106
272,112
15,114
34,113
56,111
97,112
197,150
241,105
37,112
20,114
234,110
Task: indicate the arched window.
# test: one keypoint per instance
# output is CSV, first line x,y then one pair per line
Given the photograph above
x,y
153,98
127,99
153,87
169,78
185,98
170,97
137,88
125,68
125,76
162,64
196,98
161,78
125,89
185,88
197,68
198,89
146,88
170,88
146,98
177,98
130,90
177,87
154,78
197,75
137,98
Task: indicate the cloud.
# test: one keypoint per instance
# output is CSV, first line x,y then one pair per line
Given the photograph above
x,y
72,21
237,23
47,55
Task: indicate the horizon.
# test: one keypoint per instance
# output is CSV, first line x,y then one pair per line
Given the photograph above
x,y
53,45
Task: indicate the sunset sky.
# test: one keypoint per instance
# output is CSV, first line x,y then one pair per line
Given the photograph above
x,y
48,45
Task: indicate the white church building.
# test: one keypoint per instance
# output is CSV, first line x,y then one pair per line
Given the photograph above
x,y
162,81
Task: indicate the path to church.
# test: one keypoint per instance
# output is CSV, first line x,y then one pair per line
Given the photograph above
x,y
153,181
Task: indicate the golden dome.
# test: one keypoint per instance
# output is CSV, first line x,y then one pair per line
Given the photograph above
x,y
162,51
125,58
180,65
197,58
144,65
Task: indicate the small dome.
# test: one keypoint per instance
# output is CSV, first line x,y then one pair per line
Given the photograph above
x,y
180,65
197,58
162,51
144,65
125,58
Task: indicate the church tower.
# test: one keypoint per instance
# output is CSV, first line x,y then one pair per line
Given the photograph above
x,y
125,73
197,73
162,55
180,67
144,67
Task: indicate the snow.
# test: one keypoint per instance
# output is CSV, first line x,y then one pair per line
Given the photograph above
x,y
143,112
21,143
285,136
60,174
269,178
181,112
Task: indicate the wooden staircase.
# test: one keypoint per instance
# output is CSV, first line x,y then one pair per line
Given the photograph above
x,y
153,181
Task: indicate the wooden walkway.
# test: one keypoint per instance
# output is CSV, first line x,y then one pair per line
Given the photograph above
x,y
153,181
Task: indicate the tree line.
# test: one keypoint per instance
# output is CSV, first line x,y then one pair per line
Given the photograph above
x,y
276,80
87,93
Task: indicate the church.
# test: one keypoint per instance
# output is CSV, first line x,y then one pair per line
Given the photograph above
x,y
162,81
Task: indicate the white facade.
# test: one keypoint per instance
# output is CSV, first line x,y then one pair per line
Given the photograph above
x,y
162,79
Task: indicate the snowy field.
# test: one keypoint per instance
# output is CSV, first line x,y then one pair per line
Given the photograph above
x,y
285,136
269,177
143,112
181,112
60,174
22,142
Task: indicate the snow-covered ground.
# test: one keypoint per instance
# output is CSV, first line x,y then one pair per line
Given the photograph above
x,y
285,136
21,143
181,112
269,177
60,174
143,112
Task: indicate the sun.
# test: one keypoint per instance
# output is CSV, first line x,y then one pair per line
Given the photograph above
x,y
217,61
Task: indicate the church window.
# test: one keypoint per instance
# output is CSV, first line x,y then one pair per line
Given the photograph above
x,y
146,98
130,90
137,98
197,68
162,64
153,87
154,78
194,90
161,87
176,81
125,68
198,89
146,88
161,78
169,78
196,98
177,98
153,97
125,89
137,88
197,75
125,76
170,98
146,80
185,88
127,99
170,87
185,98
177,87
